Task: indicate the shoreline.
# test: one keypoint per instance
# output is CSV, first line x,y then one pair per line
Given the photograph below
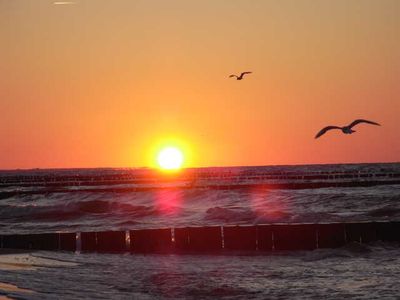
x,y
23,260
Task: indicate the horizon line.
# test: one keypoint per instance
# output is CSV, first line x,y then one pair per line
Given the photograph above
x,y
191,168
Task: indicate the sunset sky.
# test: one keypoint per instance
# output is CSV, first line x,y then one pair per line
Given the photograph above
x,y
105,83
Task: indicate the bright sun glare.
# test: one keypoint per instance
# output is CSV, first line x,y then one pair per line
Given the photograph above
x,y
170,158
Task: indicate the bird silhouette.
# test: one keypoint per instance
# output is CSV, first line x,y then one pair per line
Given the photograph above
x,y
346,129
240,77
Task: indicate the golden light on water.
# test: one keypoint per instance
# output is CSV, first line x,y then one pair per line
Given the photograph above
x,y
170,158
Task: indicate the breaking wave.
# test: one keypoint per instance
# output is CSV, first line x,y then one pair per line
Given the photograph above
x,y
99,209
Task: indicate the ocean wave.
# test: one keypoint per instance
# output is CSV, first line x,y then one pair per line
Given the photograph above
x,y
348,251
100,209
387,211
74,210
229,215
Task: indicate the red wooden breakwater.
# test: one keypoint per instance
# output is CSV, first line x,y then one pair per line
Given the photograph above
x,y
258,239
153,177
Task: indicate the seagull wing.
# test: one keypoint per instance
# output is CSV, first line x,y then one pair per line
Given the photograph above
x,y
232,76
355,122
244,73
323,130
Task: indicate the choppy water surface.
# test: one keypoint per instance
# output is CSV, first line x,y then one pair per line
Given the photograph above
x,y
370,272
105,207
366,272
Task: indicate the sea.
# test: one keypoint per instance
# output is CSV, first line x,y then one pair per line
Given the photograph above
x,y
79,200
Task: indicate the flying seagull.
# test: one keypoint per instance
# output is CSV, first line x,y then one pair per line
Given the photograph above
x,y
240,77
346,129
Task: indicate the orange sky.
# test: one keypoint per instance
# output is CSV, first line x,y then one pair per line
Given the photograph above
x,y
102,83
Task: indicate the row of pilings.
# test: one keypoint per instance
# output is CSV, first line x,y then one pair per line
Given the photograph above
x,y
258,239
221,186
62,182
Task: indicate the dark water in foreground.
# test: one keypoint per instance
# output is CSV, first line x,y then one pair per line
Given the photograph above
x,y
96,203
370,272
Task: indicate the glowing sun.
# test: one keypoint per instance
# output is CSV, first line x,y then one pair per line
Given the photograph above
x,y
170,158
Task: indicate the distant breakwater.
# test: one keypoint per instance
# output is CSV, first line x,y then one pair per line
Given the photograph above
x,y
226,179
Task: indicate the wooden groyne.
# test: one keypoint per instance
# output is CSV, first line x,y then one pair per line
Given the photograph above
x,y
14,185
220,186
257,239
56,179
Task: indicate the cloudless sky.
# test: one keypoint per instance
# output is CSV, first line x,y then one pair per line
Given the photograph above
x,y
104,83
